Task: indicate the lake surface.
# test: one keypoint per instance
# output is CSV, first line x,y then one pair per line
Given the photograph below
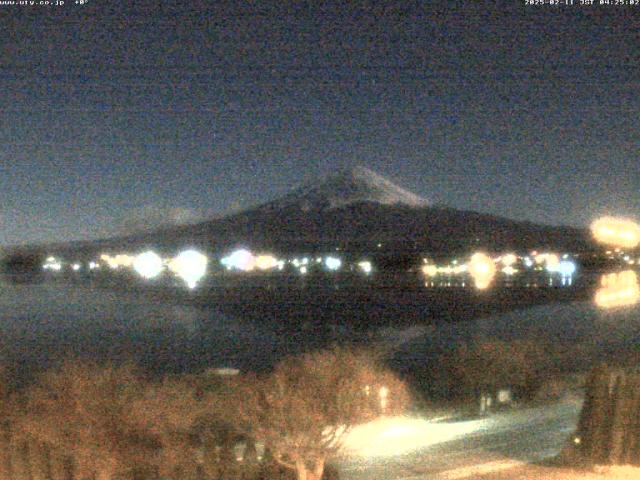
x,y
44,323
41,324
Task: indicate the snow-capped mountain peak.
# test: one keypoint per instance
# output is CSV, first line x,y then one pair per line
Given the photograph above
x,y
347,186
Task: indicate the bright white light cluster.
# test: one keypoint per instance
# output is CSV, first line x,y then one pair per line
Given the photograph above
x,y
241,259
148,265
191,266
482,269
333,263
567,268
509,259
53,264
299,262
365,266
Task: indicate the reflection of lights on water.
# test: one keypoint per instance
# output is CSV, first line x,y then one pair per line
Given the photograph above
x,y
567,268
387,437
148,265
616,231
618,289
191,266
384,398
509,270
482,269
303,270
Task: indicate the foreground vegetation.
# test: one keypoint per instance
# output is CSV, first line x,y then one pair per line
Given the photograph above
x,y
82,421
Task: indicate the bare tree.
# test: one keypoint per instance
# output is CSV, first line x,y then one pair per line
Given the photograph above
x,y
486,365
303,409
168,411
81,410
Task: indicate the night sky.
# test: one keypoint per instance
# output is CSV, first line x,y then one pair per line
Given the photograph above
x,y
113,116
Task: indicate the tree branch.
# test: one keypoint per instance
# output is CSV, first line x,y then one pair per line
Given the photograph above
x,y
278,458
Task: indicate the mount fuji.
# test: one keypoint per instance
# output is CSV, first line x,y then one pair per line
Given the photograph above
x,y
356,210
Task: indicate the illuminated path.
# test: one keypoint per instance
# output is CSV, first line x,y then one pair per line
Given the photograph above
x,y
460,449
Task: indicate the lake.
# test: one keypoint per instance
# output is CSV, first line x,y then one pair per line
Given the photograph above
x,y
43,323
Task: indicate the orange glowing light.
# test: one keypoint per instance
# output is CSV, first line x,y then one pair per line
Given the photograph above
x,y
119,260
616,231
618,289
509,259
266,262
430,270
482,269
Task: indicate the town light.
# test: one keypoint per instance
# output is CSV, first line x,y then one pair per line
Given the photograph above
x,y
430,270
241,259
52,263
191,266
482,269
332,263
616,231
509,259
266,262
365,267
148,265
120,260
